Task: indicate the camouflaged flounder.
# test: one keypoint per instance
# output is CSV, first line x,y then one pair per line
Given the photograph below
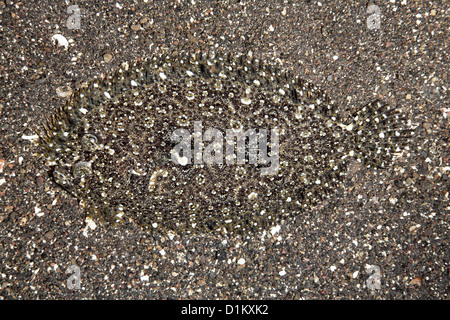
x,y
110,145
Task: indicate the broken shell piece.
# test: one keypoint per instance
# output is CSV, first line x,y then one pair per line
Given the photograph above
x,y
60,40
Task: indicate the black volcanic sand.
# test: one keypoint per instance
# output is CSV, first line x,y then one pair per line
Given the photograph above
x,y
395,219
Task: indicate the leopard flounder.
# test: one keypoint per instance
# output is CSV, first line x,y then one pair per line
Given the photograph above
x,y
111,145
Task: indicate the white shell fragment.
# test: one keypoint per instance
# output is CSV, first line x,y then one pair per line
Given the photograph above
x,y
60,40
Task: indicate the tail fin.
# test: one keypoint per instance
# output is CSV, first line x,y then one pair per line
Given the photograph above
x,y
379,131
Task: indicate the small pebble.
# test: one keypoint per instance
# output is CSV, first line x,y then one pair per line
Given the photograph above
x,y
64,91
107,57
135,27
416,281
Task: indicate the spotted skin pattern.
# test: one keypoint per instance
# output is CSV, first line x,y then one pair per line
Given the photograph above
x,y
110,144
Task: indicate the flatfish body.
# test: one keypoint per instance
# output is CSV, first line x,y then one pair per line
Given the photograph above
x,y
205,143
